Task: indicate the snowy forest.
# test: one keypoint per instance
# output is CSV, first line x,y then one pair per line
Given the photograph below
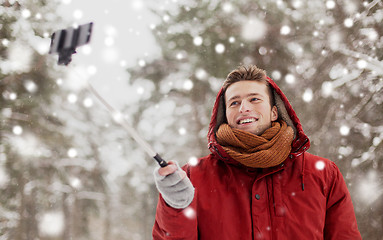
x,y
68,170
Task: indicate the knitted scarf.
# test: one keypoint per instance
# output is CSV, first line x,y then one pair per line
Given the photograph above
x,y
264,151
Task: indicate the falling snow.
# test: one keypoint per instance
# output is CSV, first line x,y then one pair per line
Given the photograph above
x,y
290,78
348,22
308,95
320,165
369,187
330,4
276,75
248,32
51,224
17,130
220,48
189,212
88,102
188,84
285,30
198,41
193,161
344,130
72,98
72,152
163,73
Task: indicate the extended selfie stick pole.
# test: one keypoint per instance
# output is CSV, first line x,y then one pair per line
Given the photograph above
x,y
64,42
133,133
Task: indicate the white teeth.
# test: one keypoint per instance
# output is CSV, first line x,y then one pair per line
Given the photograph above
x,y
247,120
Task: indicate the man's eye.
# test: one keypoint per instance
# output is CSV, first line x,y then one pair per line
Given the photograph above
x,y
254,99
234,103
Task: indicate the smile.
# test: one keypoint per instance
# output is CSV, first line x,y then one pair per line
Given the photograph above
x,y
246,120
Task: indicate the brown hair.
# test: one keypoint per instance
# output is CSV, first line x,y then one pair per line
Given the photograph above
x,y
249,73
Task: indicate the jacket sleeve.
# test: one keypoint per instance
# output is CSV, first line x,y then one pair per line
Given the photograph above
x,y
340,217
171,223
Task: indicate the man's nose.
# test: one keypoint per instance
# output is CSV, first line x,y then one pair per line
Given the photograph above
x,y
244,107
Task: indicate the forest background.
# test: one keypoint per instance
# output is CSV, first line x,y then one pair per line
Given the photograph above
x,y
69,171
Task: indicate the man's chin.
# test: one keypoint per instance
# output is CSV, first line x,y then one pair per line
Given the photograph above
x,y
256,130
250,129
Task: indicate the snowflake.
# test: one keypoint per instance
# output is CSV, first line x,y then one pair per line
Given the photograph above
x,y
220,48
320,165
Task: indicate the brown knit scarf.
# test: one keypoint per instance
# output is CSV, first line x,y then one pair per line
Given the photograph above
x,y
267,150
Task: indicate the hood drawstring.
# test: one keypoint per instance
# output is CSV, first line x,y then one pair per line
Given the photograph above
x,y
305,147
303,173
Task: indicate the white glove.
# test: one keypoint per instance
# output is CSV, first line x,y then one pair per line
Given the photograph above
x,y
176,188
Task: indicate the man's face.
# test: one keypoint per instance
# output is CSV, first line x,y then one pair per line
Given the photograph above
x,y
248,107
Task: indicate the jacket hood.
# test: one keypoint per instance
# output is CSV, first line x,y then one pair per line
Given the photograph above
x,y
285,111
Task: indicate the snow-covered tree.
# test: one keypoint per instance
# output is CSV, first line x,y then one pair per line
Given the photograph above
x,y
68,171
51,178
28,137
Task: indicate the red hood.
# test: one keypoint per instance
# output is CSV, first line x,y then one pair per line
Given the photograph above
x,y
300,143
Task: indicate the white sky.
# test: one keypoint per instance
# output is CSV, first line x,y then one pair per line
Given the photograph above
x,y
121,37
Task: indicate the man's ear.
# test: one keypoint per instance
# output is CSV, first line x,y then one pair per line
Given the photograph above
x,y
274,113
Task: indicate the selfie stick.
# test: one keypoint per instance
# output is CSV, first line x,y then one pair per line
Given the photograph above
x,y
64,42
117,116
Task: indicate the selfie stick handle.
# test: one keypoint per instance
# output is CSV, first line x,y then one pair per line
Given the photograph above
x,y
133,133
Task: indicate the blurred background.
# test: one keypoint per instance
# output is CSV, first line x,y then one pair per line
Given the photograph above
x,y
69,171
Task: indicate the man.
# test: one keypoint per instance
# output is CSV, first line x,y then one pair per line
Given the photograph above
x,y
259,182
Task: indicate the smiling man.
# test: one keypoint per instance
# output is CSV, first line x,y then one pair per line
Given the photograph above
x,y
248,106
259,182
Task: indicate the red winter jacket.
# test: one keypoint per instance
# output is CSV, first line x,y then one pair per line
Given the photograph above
x,y
303,198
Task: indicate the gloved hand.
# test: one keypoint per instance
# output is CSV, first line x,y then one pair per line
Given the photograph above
x,y
174,185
